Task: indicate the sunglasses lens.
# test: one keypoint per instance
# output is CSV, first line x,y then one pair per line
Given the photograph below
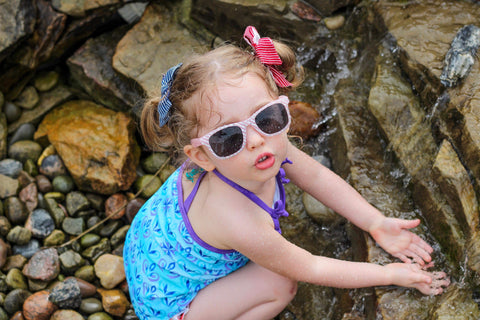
x,y
226,141
273,119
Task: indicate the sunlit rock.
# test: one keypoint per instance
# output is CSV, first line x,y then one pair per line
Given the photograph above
x,y
96,144
152,46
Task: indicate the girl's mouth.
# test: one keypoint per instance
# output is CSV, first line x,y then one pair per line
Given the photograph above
x,y
265,161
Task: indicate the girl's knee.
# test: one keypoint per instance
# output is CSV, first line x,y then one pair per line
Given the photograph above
x,y
287,288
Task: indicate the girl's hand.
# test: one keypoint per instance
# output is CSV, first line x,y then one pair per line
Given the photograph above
x,y
392,235
413,276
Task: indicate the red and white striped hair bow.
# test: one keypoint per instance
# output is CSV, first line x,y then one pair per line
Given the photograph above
x,y
265,51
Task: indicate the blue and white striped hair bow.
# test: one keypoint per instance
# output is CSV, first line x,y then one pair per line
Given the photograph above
x,y
165,104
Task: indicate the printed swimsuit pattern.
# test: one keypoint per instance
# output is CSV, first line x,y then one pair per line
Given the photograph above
x,y
164,265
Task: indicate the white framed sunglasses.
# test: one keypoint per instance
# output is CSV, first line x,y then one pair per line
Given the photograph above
x,y
228,140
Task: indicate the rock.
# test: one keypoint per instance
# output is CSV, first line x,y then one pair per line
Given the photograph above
x,y
320,213
43,183
19,235
115,205
114,301
48,101
119,236
57,212
10,168
334,22
38,307
71,261
12,112
97,201
304,119
52,166
166,172
110,144
28,98
76,202
45,81
4,248
66,314
86,289
27,250
24,149
24,132
14,261
57,196
66,294
37,285
17,26
29,196
30,168
16,280
56,238
8,186
93,252
89,240
15,210
100,316
461,55
17,316
154,162
73,226
91,305
91,68
110,270
132,208
108,229
44,265
147,185
305,11
40,223
86,273
14,300
5,225
63,184
3,135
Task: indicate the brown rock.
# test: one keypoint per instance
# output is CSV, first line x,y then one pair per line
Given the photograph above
x,y
87,289
304,118
114,301
115,206
132,208
96,144
17,316
66,314
4,248
38,307
29,196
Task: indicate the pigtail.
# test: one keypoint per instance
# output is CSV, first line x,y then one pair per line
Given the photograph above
x,y
155,137
292,71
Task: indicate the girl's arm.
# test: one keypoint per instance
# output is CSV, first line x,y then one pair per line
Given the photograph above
x,y
330,189
257,239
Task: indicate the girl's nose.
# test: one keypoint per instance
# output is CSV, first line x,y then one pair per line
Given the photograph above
x,y
254,138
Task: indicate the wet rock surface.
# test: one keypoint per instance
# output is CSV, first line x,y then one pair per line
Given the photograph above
x,y
73,171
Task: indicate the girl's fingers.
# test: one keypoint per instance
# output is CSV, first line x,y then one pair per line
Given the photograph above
x,y
422,244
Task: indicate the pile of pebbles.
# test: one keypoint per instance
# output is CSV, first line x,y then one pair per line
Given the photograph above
x,y
61,248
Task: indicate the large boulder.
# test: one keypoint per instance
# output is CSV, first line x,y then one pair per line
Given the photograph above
x,y
96,144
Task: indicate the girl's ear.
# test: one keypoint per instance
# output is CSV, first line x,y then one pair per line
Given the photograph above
x,y
199,157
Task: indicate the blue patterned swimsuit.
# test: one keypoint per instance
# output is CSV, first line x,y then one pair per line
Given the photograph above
x,y
166,263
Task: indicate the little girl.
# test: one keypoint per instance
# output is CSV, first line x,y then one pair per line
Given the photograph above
x,y
208,244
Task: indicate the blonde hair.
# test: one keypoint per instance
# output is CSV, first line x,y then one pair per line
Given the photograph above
x,y
198,76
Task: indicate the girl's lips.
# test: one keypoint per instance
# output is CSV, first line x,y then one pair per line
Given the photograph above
x,y
265,161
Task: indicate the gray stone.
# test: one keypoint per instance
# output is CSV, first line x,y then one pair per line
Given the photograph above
x,y
76,202
71,261
89,240
147,185
97,250
44,265
66,295
45,81
10,168
52,166
91,305
15,299
73,226
27,250
16,280
12,111
63,184
154,162
24,132
40,223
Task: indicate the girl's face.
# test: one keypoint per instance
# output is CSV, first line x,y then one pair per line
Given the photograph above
x,y
262,155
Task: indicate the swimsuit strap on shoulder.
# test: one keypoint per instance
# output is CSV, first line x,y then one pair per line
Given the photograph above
x,y
278,209
191,196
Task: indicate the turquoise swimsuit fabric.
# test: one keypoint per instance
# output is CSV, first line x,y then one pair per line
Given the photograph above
x,y
166,263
